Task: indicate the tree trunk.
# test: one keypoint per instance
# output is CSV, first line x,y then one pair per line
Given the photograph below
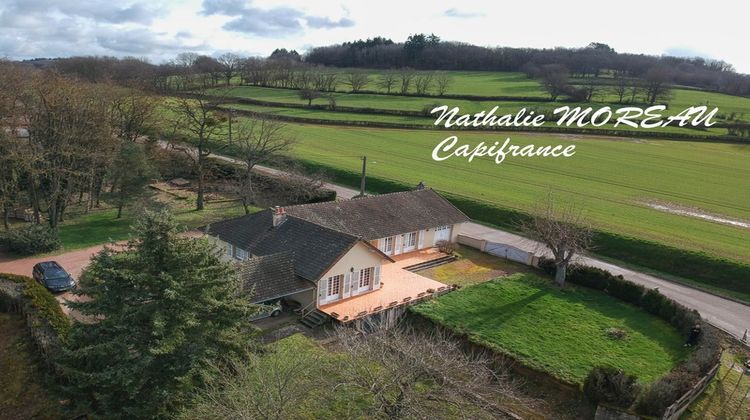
x,y
119,208
6,217
199,201
560,272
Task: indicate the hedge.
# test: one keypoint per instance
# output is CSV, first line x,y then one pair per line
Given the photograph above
x,y
43,303
654,399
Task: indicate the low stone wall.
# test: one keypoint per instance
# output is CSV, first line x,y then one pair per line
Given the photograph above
x,y
45,338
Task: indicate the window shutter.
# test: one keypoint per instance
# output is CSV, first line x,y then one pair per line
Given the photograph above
x,y
376,279
421,234
322,284
381,244
347,285
397,244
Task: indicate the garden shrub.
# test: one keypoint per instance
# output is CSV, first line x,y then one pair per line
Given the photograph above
x,y
657,304
43,302
447,247
684,318
31,239
664,392
610,385
592,277
625,290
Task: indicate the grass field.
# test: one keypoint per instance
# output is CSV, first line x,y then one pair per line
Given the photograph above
x,y
24,392
561,332
611,179
480,83
285,97
334,117
102,226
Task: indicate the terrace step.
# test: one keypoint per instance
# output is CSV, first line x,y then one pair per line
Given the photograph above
x,y
314,319
430,264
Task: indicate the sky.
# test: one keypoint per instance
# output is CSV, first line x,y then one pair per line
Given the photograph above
x,y
159,30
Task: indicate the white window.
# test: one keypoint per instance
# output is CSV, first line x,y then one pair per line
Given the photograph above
x,y
334,285
240,253
230,250
365,278
442,233
388,246
410,240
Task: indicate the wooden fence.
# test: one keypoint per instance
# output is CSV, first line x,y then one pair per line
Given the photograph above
x,y
674,411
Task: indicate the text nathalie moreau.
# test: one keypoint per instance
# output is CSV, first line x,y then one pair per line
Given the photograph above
x,y
631,117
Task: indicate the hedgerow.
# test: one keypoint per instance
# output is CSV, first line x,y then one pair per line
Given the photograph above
x,y
44,303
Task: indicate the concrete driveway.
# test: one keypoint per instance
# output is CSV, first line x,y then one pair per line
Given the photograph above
x,y
73,262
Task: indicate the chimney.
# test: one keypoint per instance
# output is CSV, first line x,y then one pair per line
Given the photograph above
x,y
279,216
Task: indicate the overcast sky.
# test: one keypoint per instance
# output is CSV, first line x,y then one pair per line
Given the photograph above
x,y
158,30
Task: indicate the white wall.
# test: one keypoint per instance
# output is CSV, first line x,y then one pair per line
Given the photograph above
x,y
360,256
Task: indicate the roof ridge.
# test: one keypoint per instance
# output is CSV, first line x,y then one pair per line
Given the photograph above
x,y
325,227
355,199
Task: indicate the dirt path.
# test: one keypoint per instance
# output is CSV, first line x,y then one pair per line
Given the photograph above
x,y
74,262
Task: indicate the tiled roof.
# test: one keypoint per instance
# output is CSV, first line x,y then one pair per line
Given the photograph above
x,y
242,231
312,248
271,276
382,215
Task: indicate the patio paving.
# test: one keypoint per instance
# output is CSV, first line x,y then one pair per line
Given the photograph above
x,y
397,287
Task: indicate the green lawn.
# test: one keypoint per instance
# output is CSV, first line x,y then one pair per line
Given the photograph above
x,y
561,332
103,226
24,391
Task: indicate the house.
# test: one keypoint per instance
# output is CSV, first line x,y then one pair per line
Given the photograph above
x,y
346,259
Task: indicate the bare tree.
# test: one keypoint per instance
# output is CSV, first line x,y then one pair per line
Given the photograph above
x,y
405,77
422,83
196,115
657,84
309,95
443,80
562,228
391,365
133,114
259,140
230,64
387,81
356,80
555,79
267,386
620,87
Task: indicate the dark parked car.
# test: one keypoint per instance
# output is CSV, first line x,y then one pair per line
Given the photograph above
x,y
52,276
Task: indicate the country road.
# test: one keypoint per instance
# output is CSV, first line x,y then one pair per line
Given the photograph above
x,y
726,314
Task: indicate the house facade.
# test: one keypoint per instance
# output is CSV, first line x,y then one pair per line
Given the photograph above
x,y
348,258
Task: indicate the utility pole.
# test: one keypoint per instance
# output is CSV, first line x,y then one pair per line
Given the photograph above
x,y
231,114
364,175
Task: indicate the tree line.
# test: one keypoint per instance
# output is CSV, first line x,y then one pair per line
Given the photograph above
x,y
428,52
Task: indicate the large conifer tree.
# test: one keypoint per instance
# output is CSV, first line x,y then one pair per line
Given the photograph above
x,y
160,311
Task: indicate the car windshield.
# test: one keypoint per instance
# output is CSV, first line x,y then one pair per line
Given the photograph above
x,y
55,274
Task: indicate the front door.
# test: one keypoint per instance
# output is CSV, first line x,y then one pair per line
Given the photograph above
x,y
364,280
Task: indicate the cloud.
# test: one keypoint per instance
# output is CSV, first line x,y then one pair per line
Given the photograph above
x,y
276,21
455,13
43,28
328,23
